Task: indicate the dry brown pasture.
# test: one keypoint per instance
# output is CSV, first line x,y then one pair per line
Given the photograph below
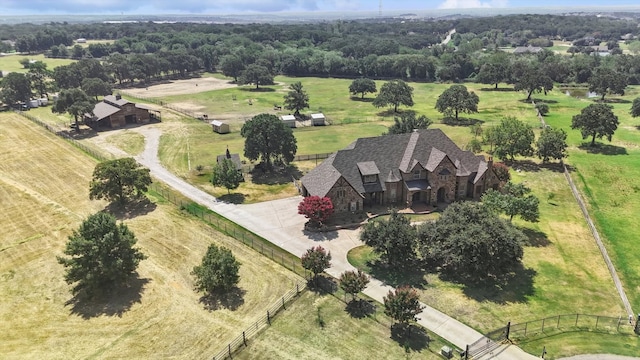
x,y
44,196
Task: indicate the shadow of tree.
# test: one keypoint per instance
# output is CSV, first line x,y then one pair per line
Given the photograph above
x,y
322,285
531,166
535,238
544,101
276,175
231,299
390,112
410,274
357,98
253,89
132,209
115,302
233,198
360,308
603,149
514,287
461,121
411,337
614,101
500,89
320,235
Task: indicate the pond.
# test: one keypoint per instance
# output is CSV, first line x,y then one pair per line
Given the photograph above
x,y
582,93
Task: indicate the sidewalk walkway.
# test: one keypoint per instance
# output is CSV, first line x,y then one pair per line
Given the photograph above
x,y
278,222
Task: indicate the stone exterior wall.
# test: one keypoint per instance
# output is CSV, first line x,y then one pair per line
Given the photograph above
x,y
389,192
343,203
437,181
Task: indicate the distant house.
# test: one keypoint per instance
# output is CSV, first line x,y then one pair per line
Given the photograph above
x,y
601,50
235,159
289,120
424,166
318,119
114,112
220,127
527,50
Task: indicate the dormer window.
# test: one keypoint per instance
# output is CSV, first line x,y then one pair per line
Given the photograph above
x,y
416,174
370,179
369,171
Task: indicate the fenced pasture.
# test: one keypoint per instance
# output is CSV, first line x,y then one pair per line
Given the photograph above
x,y
44,191
10,62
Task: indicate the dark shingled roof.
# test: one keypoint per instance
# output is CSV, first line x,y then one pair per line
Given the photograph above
x,y
391,154
235,158
103,110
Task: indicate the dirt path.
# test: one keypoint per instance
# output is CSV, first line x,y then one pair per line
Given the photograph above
x,y
180,87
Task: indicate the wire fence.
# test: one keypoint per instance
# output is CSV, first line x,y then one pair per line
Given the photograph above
x,y
194,114
311,157
67,136
262,322
233,230
573,322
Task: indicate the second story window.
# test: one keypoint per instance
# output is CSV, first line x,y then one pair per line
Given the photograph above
x,y
370,178
416,174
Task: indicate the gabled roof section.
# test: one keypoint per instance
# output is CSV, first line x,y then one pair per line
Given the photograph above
x,y
322,178
391,155
408,152
115,100
103,110
288,118
435,158
368,168
482,168
392,177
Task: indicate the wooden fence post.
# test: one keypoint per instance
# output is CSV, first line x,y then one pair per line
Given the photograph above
x,y
244,339
268,317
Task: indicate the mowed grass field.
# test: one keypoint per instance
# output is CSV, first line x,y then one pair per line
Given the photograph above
x,y
298,334
44,196
10,63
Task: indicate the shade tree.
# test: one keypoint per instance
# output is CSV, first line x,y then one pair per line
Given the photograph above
x,y
120,180
75,102
394,93
510,138
218,271
551,144
362,86
470,242
604,81
257,75
457,99
513,200
393,239
596,121
407,122
15,88
225,173
635,107
296,99
100,255
268,139
531,77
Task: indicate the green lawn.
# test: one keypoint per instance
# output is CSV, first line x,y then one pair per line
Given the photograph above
x,y
10,63
576,343
319,327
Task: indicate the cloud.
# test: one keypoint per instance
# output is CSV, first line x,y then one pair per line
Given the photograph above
x,y
168,6
469,4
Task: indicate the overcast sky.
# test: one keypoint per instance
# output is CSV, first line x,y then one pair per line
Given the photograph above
x,y
39,7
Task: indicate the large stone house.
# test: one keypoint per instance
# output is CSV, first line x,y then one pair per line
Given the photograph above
x,y
114,112
424,166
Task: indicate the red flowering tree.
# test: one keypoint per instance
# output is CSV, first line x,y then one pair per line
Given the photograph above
x,y
316,209
502,172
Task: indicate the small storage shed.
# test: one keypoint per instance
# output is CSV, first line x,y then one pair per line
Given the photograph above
x,y
289,120
220,127
317,119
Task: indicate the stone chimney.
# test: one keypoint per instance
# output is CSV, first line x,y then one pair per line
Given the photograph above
x,y
118,96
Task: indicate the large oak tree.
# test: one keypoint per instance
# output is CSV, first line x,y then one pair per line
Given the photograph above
x,y
119,180
394,93
267,138
597,121
100,255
